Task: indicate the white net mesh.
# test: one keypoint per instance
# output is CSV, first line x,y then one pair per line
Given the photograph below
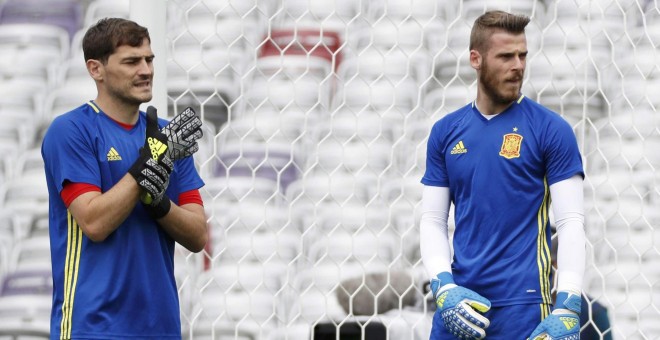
x,y
321,111
316,115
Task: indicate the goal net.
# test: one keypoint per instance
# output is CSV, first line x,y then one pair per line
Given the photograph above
x,y
317,114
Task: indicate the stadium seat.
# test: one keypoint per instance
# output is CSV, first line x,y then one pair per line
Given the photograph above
x,y
335,17
25,315
379,94
473,8
98,9
210,98
27,282
246,275
311,297
222,190
66,98
336,187
29,162
25,195
230,23
32,253
353,156
270,125
278,162
352,218
364,247
237,309
307,92
305,41
65,14
258,246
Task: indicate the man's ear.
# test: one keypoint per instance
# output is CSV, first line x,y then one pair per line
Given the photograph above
x,y
475,59
95,69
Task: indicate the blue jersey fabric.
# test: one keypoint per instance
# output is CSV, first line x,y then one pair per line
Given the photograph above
x,y
498,172
124,286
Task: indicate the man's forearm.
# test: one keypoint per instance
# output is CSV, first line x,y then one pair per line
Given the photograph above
x,y
186,224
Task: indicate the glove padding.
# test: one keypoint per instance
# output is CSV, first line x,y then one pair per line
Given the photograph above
x,y
460,308
153,167
564,322
182,133
147,164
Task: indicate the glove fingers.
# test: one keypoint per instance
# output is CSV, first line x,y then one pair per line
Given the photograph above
x,y
480,305
189,129
463,328
167,164
157,170
180,120
152,120
472,316
197,134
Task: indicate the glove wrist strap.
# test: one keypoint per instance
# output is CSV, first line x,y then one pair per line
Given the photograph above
x,y
445,278
570,301
160,209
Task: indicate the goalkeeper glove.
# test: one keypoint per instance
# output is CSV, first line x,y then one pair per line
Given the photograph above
x,y
152,168
564,322
460,308
182,133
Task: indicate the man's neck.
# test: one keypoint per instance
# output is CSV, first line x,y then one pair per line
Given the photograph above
x,y
121,112
488,107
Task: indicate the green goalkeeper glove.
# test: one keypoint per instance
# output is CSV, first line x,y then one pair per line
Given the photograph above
x,y
564,322
460,308
182,133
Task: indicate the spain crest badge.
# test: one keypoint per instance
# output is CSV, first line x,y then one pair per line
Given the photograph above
x,y
511,145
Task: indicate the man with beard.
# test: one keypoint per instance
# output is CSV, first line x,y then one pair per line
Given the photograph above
x,y
112,245
499,160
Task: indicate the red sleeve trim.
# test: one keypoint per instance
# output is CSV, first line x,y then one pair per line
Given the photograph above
x,y
71,191
191,196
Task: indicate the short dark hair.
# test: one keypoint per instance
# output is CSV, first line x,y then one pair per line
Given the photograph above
x,y
486,24
104,37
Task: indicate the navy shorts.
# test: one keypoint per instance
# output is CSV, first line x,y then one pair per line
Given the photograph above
x,y
507,322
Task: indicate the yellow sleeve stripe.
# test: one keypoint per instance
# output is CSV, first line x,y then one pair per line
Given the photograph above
x,y
543,258
71,266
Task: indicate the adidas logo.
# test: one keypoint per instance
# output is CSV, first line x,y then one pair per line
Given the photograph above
x,y
441,299
568,322
458,149
113,155
157,148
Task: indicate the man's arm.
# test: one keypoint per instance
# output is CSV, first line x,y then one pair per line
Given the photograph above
x,y
461,308
186,224
99,214
433,230
568,209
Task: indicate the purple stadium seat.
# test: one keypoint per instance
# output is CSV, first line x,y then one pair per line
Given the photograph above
x,y
28,282
63,13
257,160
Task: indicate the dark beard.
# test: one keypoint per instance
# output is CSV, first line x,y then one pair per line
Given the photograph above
x,y
490,86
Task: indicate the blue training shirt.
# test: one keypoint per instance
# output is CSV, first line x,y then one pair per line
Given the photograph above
x,y
498,172
124,286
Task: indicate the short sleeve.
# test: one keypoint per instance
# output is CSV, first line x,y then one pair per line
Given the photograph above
x,y
187,178
436,169
562,156
69,154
